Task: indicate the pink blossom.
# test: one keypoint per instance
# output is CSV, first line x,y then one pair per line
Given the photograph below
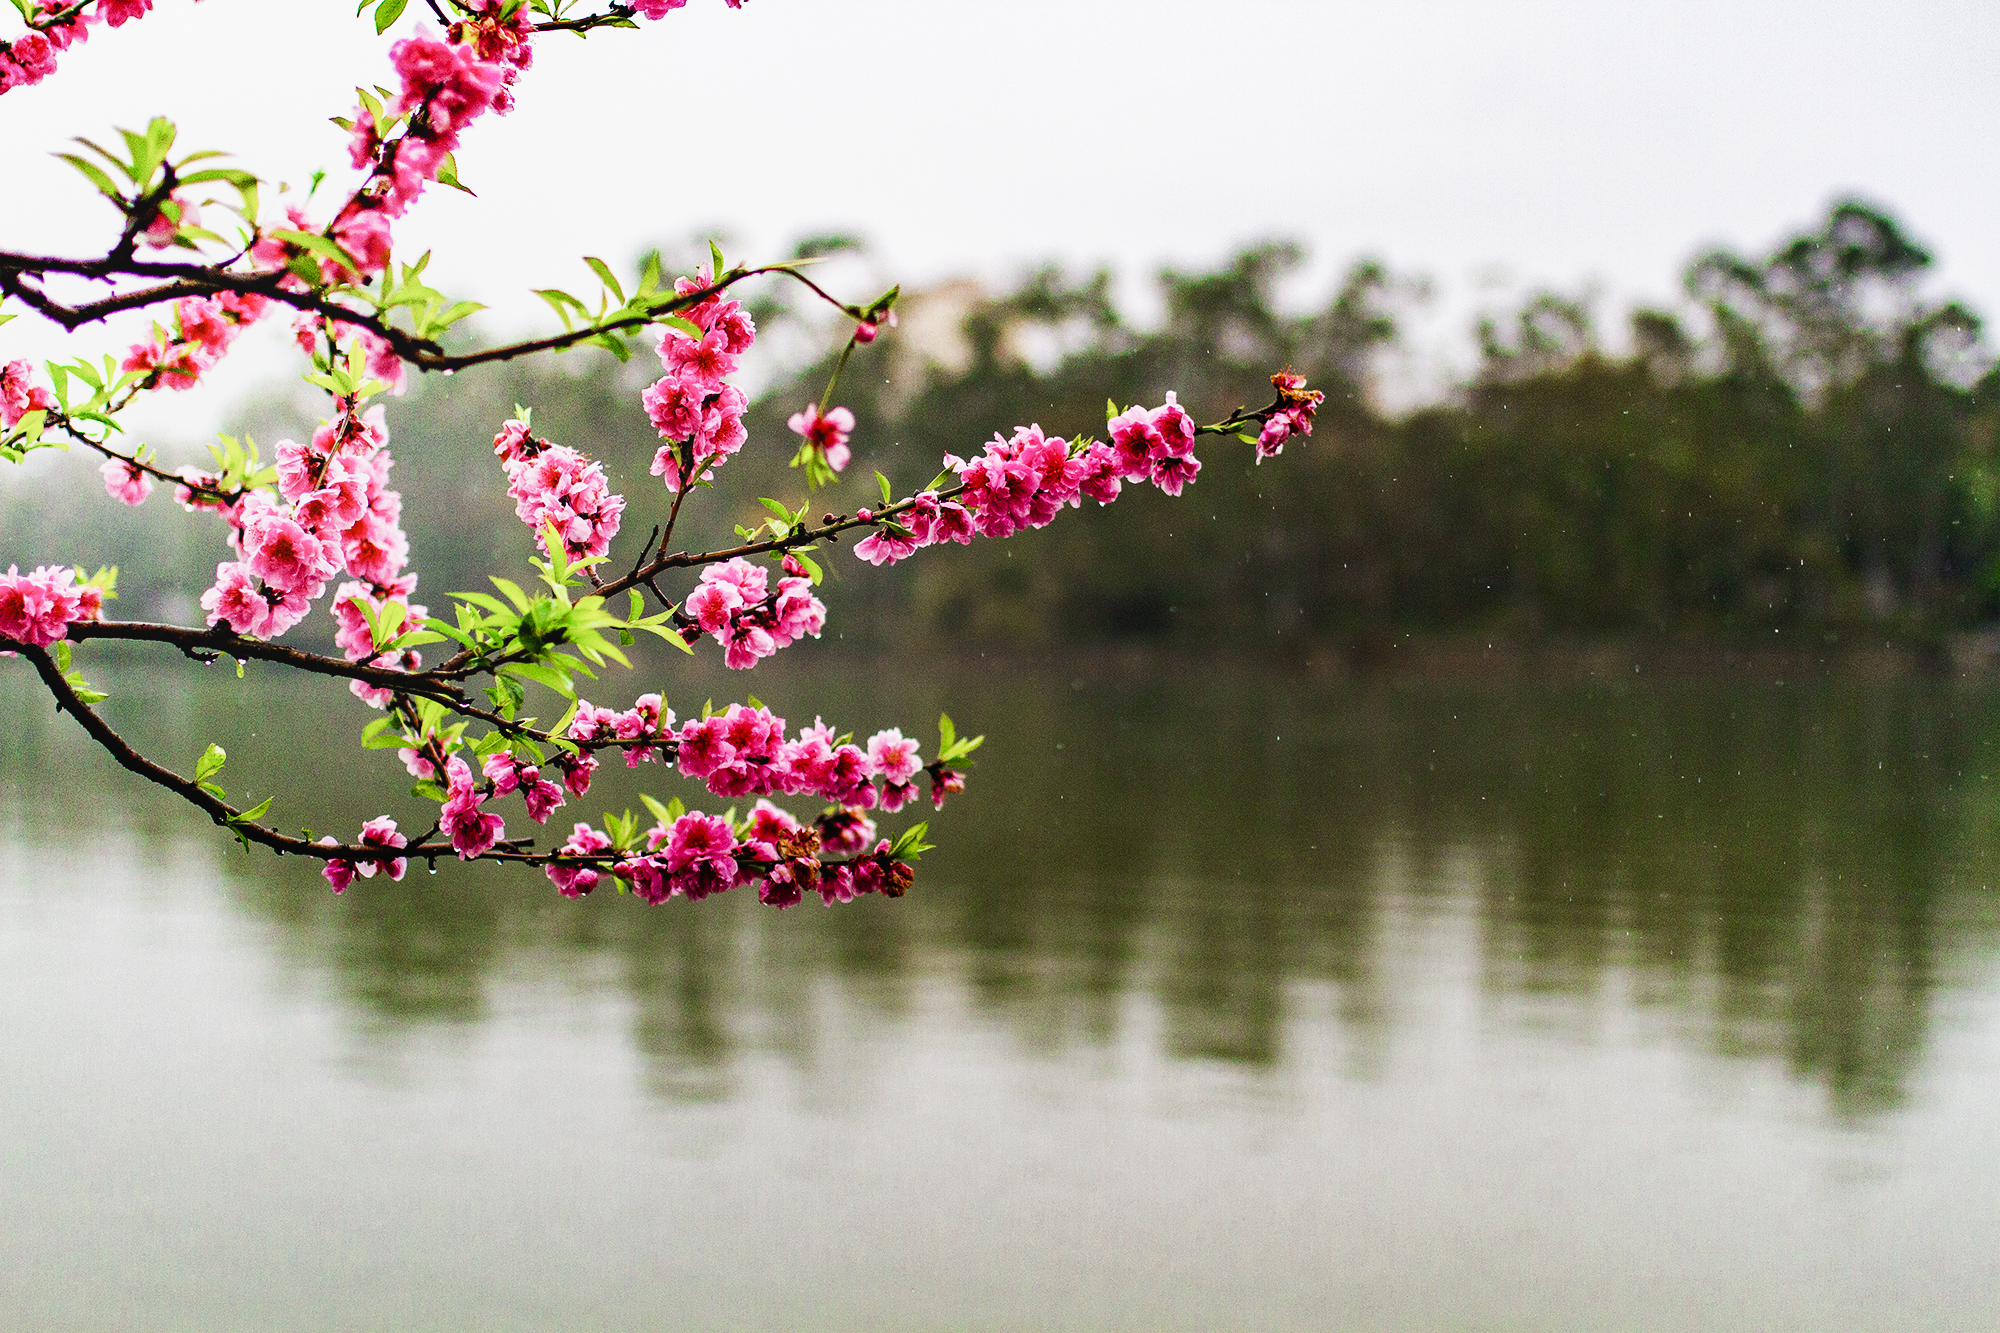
x,y
374,548
117,13
125,481
299,469
945,782
836,884
338,872
451,85
247,307
827,434
722,432
166,225
734,604
39,608
1102,475
674,406
204,320
1134,437
472,832
516,444
577,770
18,393
364,234
883,547
542,797
501,770
704,747
560,486
507,774
704,362
700,855
1172,472
286,556
575,881
378,832
647,878
174,365
845,830
236,601
893,756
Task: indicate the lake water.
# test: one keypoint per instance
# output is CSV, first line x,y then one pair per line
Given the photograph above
x,y
1228,1002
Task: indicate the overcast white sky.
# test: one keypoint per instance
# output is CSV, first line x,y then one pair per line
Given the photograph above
x,y
1539,141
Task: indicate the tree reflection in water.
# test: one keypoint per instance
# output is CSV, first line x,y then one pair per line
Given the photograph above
x,y
1759,871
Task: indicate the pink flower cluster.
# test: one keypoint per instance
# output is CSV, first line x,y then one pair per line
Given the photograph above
x,y
383,363
694,858
737,606
20,395
1295,417
1156,445
353,637
552,483
39,608
381,833
501,39
125,481
640,729
1025,481
699,855
742,751
204,327
659,9
340,516
826,434
542,797
472,831
693,406
446,85
31,57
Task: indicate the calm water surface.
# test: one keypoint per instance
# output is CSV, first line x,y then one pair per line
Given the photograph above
x,y
1231,1003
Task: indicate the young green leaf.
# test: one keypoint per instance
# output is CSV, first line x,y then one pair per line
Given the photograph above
x,y
211,762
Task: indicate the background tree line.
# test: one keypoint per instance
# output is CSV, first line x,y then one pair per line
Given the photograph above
x,y
1808,444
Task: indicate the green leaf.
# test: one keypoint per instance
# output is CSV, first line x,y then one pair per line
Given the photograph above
x,y
511,590
94,175
687,326
888,495
448,175
604,275
387,13
254,812
211,762
320,246
455,313
557,680
911,844
715,254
